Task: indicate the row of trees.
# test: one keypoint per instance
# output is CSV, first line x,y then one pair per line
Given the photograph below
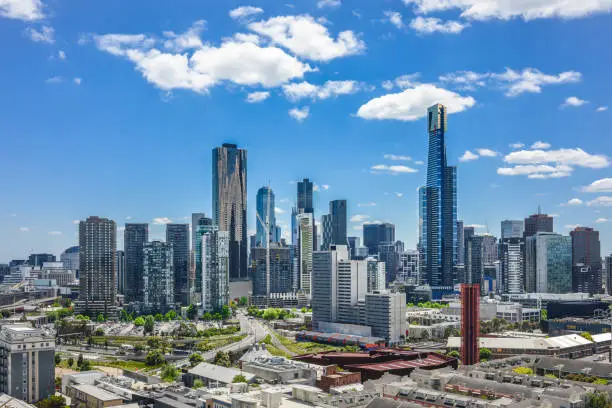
x,y
271,313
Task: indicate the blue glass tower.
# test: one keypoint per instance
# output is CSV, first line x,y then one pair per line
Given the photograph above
x,y
438,208
265,209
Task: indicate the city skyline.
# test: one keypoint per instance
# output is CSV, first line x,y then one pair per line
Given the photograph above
x,y
349,155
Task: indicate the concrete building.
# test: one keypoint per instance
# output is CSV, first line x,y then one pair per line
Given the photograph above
x,y
214,376
324,295
158,277
89,396
306,239
70,259
386,315
408,271
353,243
279,370
512,250
586,261
58,272
512,229
387,253
215,269
121,278
351,288
280,279
134,238
27,363
376,274
177,236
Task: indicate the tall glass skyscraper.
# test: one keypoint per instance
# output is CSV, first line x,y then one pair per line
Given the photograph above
x,y
134,238
338,213
229,185
265,214
438,207
304,196
177,235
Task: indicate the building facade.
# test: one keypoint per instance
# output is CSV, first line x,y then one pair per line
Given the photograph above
x,y
70,259
280,276
229,193
512,252
376,275
376,234
326,232
177,235
338,212
304,251
586,261
538,223
460,243
205,226
512,229
304,196
553,263
158,277
408,269
40,259
215,255
386,315
266,218
474,265
134,238
121,278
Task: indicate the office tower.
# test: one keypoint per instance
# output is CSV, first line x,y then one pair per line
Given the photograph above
x,y
586,261
474,265
229,185
386,315
512,229
512,250
489,249
265,215
177,235
408,269
324,293
304,196
27,363
387,254
39,259
134,238
376,275
98,269
376,234
338,212
281,273
304,251
361,252
460,244
215,269
4,270
470,323
252,242
70,259
326,232
57,272
609,273
353,243
351,288
121,278
205,226
538,223
158,277
530,264
195,221
553,266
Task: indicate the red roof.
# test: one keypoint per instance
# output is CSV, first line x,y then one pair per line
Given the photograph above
x,y
430,361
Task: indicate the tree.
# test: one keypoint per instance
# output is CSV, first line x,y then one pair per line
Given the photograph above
x,y
271,314
587,336
169,373
195,359
226,312
217,317
170,315
54,401
222,359
597,400
523,370
58,359
149,325
139,321
192,312
239,379
207,316
159,317
155,357
85,366
101,318
124,316
485,354
80,360
70,362
243,301
544,314
197,383
454,353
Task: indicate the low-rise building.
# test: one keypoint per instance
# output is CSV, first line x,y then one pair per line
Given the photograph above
x,y
90,396
214,376
279,370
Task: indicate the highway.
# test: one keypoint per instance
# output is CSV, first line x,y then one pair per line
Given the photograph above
x,y
255,332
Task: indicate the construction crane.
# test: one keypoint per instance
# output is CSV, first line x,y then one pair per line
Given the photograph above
x,y
266,227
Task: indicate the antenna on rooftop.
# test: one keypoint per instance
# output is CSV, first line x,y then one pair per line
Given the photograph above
x,y
539,209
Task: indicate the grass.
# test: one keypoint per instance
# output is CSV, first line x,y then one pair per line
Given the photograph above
x,y
125,365
305,347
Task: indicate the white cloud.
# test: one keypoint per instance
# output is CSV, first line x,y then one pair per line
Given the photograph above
x,y
256,97
572,226
55,232
299,90
487,153
24,229
45,35
162,220
536,171
476,226
370,204
570,157
573,101
402,82
573,202
129,217
235,60
601,109
394,169
328,3
307,38
244,12
188,40
76,222
300,114
54,80
419,162
468,156
399,195
517,145
430,25
397,157
77,80
465,80
412,103
599,186
61,55
603,201
278,210
394,18
505,10
359,218
325,187
540,145
601,220
26,10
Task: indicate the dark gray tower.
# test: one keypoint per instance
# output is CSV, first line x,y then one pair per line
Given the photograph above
x,y
134,238
586,261
304,196
338,213
177,235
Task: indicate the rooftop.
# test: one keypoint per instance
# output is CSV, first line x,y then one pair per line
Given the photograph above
x,y
552,343
217,373
96,392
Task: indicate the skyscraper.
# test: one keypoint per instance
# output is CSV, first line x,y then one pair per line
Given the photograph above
x,y
326,232
512,252
281,275
120,272
489,249
304,196
229,185
177,235
586,261
438,207
512,229
553,254
40,259
353,243
460,243
134,238
376,234
97,246
205,226
265,215
70,259
538,223
609,273
376,275
470,323
338,213
304,251
158,277
474,265
215,269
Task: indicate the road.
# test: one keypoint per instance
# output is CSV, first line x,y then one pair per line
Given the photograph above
x,y
254,330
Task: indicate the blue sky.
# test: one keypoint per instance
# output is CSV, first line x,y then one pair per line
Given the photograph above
x,y
112,108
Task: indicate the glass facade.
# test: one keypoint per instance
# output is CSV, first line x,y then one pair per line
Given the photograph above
x,y
205,226
553,263
158,277
265,215
215,260
134,238
178,236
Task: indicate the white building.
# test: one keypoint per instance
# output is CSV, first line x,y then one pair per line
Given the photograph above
x,y
376,274
305,245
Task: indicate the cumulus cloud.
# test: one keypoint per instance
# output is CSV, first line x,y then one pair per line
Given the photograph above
x,y
396,157
540,145
603,201
465,80
77,80
24,229
504,10
307,38
412,103
45,35
487,153
161,220
188,40
370,204
278,210
516,146
570,157
573,202
599,186
256,97
430,25
55,232
244,12
573,101
601,109
601,220
26,10
402,81
359,218
536,171
328,3
394,18
393,169
468,156
572,226
299,114
299,90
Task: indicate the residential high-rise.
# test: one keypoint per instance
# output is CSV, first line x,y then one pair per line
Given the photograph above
x,y
326,232
529,274
215,263
474,265
70,259
553,253
195,221
609,273
98,269
304,251
205,226
304,196
512,229
408,269
489,249
387,254
265,215
460,243
586,261
438,207
121,272
40,259
512,250
376,275
376,234
351,288
353,243
281,275
324,301
27,363
158,277
177,235
470,323
386,314
229,196
338,213
538,223
134,238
